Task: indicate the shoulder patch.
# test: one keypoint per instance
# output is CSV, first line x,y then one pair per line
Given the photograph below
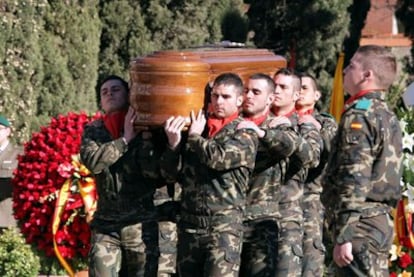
x,y
363,104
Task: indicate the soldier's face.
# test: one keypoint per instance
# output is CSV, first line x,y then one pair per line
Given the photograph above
x,y
285,94
257,97
114,96
225,101
354,75
308,95
4,133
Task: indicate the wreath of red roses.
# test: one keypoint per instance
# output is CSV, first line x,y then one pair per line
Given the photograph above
x,y
48,163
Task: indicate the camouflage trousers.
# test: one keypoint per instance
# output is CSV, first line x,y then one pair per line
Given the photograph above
x,y
132,251
313,248
371,243
259,250
290,223
167,239
209,252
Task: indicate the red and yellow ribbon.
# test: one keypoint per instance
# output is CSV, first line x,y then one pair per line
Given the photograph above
x,y
87,189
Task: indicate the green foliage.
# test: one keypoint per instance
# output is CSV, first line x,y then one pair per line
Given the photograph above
x,y
51,265
121,40
70,56
315,37
405,13
358,11
16,257
21,66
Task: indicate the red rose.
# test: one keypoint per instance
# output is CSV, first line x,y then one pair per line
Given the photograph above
x,y
405,260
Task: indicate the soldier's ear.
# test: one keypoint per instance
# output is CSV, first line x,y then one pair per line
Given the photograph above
x,y
239,100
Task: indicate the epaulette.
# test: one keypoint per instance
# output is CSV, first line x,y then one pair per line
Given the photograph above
x,y
363,104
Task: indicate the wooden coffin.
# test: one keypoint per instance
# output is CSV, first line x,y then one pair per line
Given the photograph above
x,y
171,82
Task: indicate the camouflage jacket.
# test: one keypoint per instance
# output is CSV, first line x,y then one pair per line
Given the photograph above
x,y
214,175
264,185
313,183
126,176
363,172
306,156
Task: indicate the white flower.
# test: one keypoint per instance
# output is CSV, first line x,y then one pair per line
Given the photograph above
x,y
393,253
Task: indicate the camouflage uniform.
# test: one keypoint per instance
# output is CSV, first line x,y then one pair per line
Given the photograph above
x,y
165,200
363,182
290,221
214,182
313,211
8,163
124,225
259,250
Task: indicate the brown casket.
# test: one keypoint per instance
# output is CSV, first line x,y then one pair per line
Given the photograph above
x,y
171,82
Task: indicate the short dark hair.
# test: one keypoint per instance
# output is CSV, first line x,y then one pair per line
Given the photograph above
x,y
267,78
107,78
310,76
228,79
297,85
381,61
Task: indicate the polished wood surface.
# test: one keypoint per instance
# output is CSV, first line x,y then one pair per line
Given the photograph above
x,y
174,82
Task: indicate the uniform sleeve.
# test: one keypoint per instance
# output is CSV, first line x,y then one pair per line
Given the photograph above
x,y
95,155
355,161
310,146
237,151
281,142
170,164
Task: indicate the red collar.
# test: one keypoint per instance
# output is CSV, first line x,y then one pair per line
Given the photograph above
x,y
287,114
216,124
305,112
360,94
114,123
258,120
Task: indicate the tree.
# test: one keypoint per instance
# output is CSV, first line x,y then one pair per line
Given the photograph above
x,y
124,36
311,41
70,58
21,67
405,13
358,11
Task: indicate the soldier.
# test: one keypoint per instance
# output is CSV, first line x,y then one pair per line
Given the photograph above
x,y
214,177
313,211
125,165
362,182
290,212
277,140
8,163
166,202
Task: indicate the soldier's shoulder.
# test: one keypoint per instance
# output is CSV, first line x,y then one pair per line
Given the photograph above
x,y
98,123
363,105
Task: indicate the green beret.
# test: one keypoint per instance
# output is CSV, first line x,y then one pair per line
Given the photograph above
x,y
4,121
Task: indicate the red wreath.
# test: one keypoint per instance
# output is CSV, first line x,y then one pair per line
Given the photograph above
x,y
48,197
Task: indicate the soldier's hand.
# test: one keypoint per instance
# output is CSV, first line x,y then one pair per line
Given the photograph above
x,y
246,124
173,127
198,123
279,120
129,130
307,118
342,254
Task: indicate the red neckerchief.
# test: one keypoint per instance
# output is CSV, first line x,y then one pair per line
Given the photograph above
x,y
360,94
306,112
215,124
289,114
114,123
258,120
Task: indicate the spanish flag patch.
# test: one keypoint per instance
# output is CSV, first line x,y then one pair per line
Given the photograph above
x,y
356,126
